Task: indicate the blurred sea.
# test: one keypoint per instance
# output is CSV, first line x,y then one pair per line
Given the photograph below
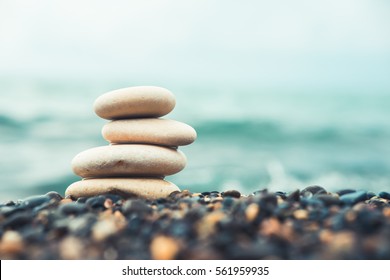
x,y
248,138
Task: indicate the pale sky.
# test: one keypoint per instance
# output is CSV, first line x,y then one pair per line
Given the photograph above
x,y
301,43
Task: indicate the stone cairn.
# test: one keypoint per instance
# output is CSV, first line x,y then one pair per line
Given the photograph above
x,y
143,146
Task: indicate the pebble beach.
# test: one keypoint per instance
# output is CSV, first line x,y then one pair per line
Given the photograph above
x,y
305,224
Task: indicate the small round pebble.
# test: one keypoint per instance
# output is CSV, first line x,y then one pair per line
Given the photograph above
x,y
313,190
164,248
353,197
11,243
385,195
231,193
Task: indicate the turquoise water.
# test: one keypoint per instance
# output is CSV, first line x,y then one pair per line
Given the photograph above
x,y
248,138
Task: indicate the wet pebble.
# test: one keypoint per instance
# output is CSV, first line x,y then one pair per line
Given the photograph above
x,y
283,195
385,195
18,220
136,207
268,200
72,208
54,195
82,199
260,192
353,197
228,202
312,190
370,195
328,199
369,221
345,191
9,203
96,202
294,196
378,202
34,201
34,234
6,211
82,225
231,193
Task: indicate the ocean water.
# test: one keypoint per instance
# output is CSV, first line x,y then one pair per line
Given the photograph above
x,y
248,138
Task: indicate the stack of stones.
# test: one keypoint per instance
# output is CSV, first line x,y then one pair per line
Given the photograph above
x,y
143,146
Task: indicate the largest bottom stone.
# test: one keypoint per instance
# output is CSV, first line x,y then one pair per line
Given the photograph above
x,y
148,188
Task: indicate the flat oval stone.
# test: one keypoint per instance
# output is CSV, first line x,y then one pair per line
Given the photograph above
x,y
149,131
128,160
148,188
135,102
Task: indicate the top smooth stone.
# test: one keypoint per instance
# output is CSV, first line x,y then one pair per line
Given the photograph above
x,y
134,102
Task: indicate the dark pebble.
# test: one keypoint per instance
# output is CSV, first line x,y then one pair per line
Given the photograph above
x,y
228,202
82,225
215,194
283,210
161,200
354,197
34,234
232,193
10,203
82,200
34,201
174,195
7,211
318,214
313,203
73,208
369,221
313,190
267,203
194,215
181,229
260,192
377,202
283,195
370,195
136,207
328,199
135,223
96,202
294,196
385,195
338,222
114,198
54,195
345,191
17,220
